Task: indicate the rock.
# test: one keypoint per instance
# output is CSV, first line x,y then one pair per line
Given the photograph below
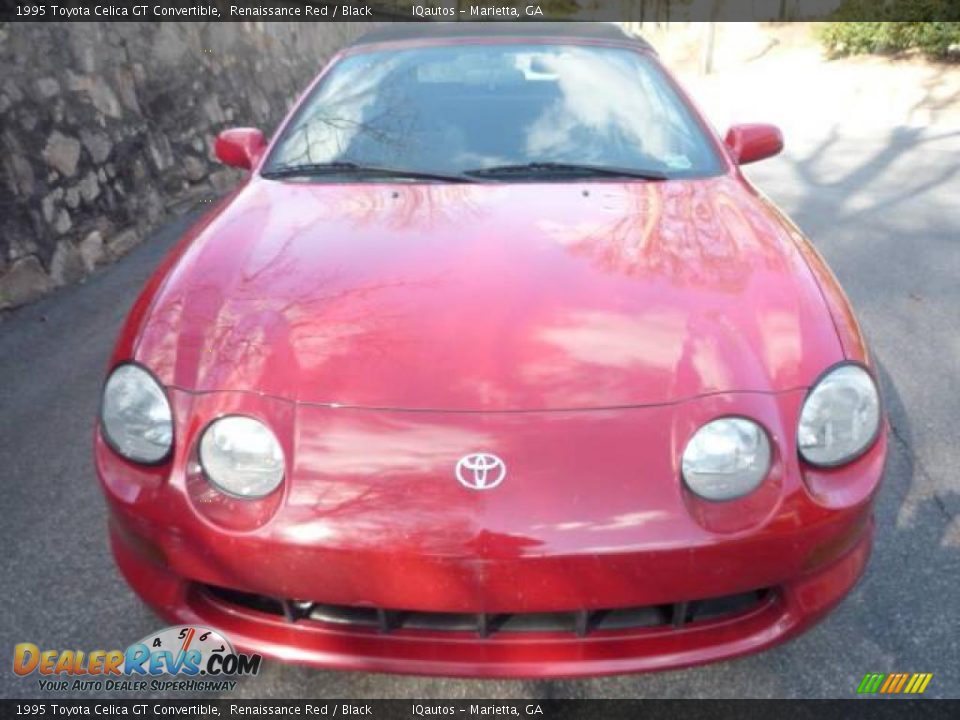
x,y
261,105
22,175
169,45
160,152
28,119
47,88
66,265
86,43
91,250
103,99
49,204
21,246
97,144
5,103
127,89
223,180
23,282
12,91
63,221
211,106
122,243
97,91
195,168
89,187
62,153
73,198
153,205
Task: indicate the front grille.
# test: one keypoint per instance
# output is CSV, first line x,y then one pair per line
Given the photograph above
x,y
582,622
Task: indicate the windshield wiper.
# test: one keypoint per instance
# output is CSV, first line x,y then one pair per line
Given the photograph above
x,y
351,168
560,168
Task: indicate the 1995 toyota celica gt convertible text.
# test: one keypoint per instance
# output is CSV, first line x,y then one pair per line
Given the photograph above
x,y
494,365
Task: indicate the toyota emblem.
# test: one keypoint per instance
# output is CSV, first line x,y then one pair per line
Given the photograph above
x,y
481,471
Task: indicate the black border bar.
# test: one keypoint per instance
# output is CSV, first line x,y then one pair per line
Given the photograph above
x,y
472,10
531,709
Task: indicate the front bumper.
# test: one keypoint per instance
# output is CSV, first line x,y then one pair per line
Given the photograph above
x,y
787,611
371,519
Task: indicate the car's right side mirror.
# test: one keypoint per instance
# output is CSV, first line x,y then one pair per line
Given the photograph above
x,y
749,143
240,147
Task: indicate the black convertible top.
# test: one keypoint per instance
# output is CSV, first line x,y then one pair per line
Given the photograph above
x,y
438,30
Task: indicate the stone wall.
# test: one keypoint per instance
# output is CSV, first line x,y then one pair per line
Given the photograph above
x,y
107,127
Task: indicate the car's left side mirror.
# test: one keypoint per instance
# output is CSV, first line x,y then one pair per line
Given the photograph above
x,y
240,147
749,143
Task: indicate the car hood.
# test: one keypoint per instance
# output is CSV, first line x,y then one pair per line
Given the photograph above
x,y
490,296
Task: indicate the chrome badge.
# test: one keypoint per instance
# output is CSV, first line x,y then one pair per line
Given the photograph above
x,y
480,471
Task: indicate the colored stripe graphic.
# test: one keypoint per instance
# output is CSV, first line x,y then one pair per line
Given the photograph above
x,y
894,683
901,682
870,683
889,682
923,679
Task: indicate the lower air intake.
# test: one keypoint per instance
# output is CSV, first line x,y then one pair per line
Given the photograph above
x,y
582,622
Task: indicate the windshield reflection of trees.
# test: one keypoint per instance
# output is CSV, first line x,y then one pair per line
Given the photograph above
x,y
357,107
409,110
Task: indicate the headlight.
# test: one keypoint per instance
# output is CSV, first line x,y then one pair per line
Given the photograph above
x,y
241,457
840,417
135,415
726,458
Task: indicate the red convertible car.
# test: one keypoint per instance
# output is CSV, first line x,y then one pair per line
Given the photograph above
x,y
494,365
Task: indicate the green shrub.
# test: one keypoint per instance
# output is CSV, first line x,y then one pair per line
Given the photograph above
x,y
898,25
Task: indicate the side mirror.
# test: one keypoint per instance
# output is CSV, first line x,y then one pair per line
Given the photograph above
x,y
240,147
749,143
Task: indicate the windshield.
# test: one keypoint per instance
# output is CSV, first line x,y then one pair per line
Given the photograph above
x,y
459,109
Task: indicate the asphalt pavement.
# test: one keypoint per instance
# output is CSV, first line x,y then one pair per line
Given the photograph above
x,y
882,208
